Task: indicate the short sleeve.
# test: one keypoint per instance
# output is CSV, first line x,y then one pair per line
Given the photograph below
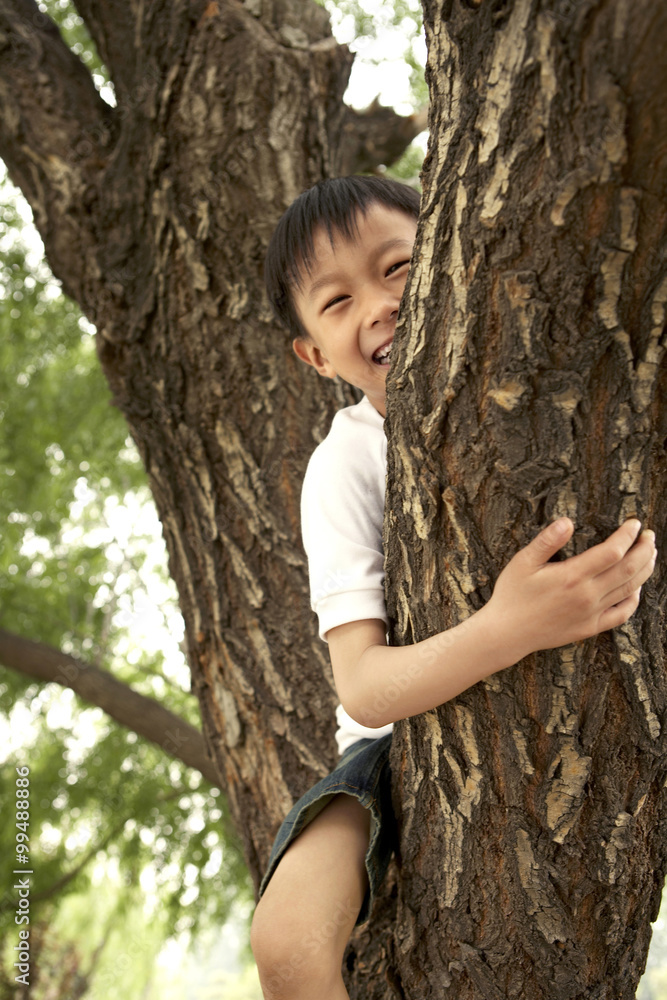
x,y
342,509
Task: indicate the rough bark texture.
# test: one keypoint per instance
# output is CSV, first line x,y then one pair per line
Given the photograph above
x,y
156,215
532,806
530,383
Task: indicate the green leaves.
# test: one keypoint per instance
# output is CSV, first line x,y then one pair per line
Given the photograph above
x,y
75,33
382,35
62,447
83,568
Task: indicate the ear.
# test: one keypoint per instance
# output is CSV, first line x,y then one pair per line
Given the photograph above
x,y
308,352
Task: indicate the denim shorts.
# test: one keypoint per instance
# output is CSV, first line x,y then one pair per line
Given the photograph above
x,y
363,772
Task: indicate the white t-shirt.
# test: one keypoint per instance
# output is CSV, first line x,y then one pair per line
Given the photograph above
x,y
342,509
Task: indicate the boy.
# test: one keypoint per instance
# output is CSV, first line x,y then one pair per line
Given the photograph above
x,y
336,270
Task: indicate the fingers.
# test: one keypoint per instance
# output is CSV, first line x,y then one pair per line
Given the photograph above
x,y
623,580
602,557
619,613
549,541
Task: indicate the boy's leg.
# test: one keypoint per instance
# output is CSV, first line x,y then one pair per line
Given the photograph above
x,y
311,904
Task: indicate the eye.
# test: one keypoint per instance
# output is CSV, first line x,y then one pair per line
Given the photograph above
x,y
334,302
397,267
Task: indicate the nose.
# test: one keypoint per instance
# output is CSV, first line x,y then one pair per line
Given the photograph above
x,y
381,307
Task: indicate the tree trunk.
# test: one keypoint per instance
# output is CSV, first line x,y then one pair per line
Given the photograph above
x,y
530,383
156,215
543,218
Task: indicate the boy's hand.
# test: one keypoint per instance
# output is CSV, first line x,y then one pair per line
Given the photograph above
x,y
537,604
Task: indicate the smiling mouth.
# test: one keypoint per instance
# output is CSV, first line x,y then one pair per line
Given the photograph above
x,y
383,355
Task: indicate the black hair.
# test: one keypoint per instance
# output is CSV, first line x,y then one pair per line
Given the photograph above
x,y
333,205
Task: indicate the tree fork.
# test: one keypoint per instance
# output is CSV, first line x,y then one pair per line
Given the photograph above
x,y
529,383
156,215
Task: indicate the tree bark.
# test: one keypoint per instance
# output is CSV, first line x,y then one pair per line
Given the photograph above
x,y
530,383
143,716
156,215
540,262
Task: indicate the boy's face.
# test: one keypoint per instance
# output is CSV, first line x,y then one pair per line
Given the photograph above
x,y
349,301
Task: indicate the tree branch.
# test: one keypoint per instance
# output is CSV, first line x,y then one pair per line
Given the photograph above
x,y
112,26
376,136
56,132
134,711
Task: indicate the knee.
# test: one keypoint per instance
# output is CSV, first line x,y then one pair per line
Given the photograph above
x,y
278,952
289,958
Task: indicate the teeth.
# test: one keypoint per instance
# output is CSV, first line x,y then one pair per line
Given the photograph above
x,y
382,353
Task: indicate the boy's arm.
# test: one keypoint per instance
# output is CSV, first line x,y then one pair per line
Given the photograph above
x,y
536,604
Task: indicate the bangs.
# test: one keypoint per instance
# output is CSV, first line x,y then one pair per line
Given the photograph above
x,y
333,206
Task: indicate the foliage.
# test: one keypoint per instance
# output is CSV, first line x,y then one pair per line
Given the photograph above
x,y
93,944
382,32
129,845
73,29
75,556
117,828
61,439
